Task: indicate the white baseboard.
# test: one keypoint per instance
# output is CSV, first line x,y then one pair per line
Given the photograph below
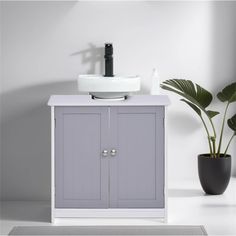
x,y
109,213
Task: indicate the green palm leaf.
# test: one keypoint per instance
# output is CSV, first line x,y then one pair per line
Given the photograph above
x,y
212,113
228,93
232,123
196,96
195,108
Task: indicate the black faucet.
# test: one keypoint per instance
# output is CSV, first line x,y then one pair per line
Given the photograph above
x,y
108,60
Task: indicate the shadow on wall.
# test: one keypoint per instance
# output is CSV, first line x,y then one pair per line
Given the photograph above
x,y
182,123
224,54
26,211
93,56
26,127
223,44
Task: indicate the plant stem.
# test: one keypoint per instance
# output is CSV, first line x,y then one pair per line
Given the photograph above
x,y
213,139
222,130
214,146
229,143
208,134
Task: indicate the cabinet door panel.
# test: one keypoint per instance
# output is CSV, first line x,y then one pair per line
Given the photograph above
x,y
81,172
137,171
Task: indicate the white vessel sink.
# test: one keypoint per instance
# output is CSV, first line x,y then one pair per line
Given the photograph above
x,y
101,87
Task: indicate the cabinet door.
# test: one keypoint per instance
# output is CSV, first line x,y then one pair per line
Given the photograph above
x,y
137,169
81,172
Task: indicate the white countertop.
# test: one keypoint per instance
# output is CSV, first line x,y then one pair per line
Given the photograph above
x,y
86,100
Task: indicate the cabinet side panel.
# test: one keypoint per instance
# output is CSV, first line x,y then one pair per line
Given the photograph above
x,y
52,163
160,155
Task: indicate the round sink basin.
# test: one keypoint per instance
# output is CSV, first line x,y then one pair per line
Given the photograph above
x,y
101,87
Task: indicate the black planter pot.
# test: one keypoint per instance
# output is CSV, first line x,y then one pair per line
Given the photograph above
x,y
214,173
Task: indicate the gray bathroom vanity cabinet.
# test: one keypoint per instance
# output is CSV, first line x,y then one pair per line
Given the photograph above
x,y
108,157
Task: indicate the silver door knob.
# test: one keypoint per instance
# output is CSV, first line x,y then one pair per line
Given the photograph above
x,y
113,152
104,153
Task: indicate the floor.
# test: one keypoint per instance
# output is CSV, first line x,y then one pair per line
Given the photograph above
x,y
187,205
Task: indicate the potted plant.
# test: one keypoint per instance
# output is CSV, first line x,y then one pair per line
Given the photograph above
x,y
214,167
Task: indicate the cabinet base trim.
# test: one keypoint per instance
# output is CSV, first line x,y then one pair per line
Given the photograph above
x,y
116,213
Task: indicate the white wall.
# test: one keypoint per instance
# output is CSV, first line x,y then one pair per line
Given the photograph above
x,y
44,49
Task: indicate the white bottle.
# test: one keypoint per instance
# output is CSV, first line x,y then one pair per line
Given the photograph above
x,y
155,88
